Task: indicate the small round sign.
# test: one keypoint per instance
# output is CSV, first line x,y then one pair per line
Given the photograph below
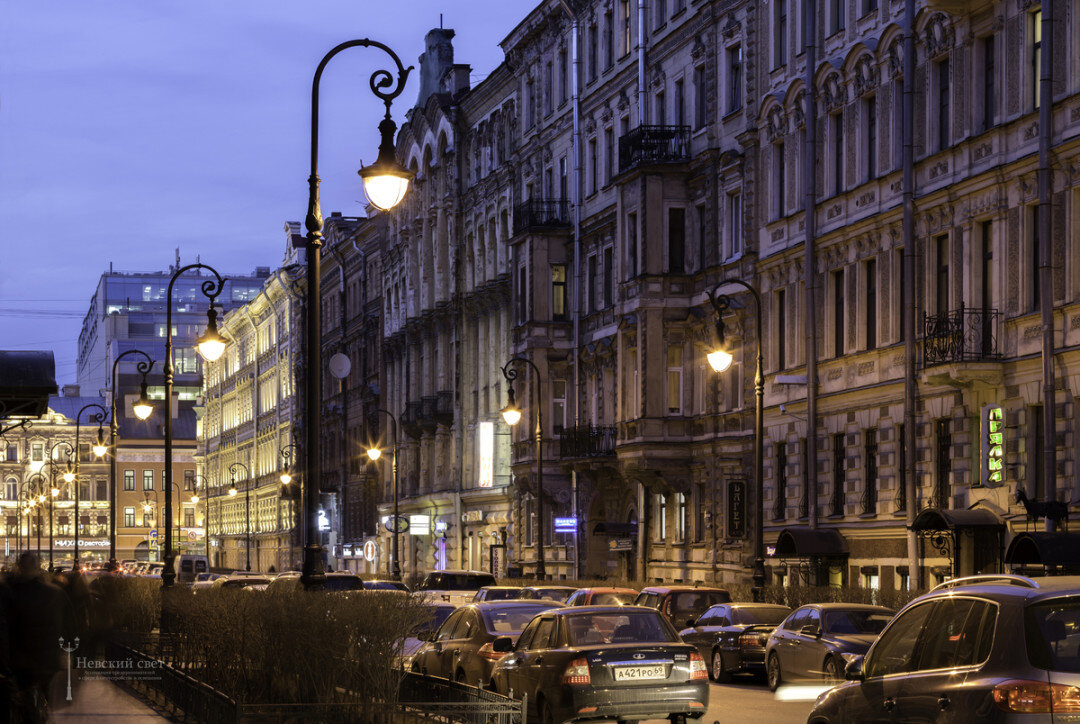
x,y
370,551
400,524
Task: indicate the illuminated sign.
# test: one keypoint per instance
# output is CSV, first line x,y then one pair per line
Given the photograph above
x,y
566,525
420,524
441,526
487,454
736,509
993,459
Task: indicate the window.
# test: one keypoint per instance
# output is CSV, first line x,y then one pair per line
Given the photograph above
x,y
625,13
549,87
594,298
592,166
631,244
632,405
609,155
609,40
870,452
12,453
837,121
189,517
189,480
839,452
870,119
870,283
700,506
869,6
677,240
594,52
564,82
37,452
1034,470
661,517
987,279
943,463
836,15
148,516
734,86
101,489
838,312
779,173
680,520
680,104
959,632
563,194
609,272
895,650
1036,301
943,103
780,507
700,97
558,406
11,489
735,234
941,298
660,110
660,6
1036,56
674,380
781,330
558,291
523,299
989,89
129,517
779,33
148,479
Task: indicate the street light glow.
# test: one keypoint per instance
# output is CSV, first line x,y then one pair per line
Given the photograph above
x,y
69,476
100,448
374,453
232,490
142,407
720,360
511,414
285,478
211,344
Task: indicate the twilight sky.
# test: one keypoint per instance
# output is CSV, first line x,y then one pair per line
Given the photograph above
x,y
129,129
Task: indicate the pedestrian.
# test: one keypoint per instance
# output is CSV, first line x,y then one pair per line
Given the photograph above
x,y
272,569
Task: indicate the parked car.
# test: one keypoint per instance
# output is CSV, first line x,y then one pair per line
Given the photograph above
x,y
732,636
188,566
681,604
455,586
497,593
204,581
551,593
379,585
992,648
438,612
243,579
815,641
461,649
336,581
602,597
571,669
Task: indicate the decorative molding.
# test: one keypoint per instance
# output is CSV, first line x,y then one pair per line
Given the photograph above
x,y
939,35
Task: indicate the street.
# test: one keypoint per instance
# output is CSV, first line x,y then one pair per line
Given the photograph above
x,y
749,701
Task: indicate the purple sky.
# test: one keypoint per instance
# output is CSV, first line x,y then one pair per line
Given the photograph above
x,y
130,128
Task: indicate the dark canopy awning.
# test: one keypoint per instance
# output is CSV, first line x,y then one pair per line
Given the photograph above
x,y
615,529
939,519
1044,549
27,379
804,542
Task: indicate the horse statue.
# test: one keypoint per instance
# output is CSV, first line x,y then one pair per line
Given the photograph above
x,y
1053,510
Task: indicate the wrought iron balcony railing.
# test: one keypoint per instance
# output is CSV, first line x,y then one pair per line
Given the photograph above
x,y
537,213
587,441
870,499
646,145
967,334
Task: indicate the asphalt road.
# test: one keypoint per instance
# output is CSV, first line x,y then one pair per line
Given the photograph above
x,y
748,701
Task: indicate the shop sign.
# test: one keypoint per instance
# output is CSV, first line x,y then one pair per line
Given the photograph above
x,y
420,524
498,553
736,509
621,544
370,550
993,459
83,543
472,516
486,432
566,525
441,526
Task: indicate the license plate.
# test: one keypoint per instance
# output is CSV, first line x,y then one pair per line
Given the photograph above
x,y
639,673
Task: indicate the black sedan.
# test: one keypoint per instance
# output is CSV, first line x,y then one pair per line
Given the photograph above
x,y
732,636
602,662
461,647
816,641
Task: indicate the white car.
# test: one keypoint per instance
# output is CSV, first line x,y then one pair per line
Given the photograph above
x,y
456,587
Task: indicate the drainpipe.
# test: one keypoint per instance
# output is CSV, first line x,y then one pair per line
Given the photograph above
x,y
343,389
915,571
641,63
255,415
1046,283
363,376
294,299
810,265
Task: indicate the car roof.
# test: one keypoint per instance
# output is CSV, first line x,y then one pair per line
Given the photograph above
x,y
680,588
550,588
458,572
492,605
500,588
826,607
608,590
750,604
1004,587
574,610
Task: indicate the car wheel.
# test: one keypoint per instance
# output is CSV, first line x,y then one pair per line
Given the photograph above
x,y
546,717
717,670
832,669
772,671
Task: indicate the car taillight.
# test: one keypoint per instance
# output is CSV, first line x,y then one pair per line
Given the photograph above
x,y
577,672
1036,697
486,652
753,639
698,669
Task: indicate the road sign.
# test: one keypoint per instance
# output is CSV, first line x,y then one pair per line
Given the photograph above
x,y
401,524
370,551
153,534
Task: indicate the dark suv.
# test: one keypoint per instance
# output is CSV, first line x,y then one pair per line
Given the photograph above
x,y
997,648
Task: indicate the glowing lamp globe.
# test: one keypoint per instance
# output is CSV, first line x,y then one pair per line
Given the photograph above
x,y
211,345
285,478
374,453
100,449
69,477
232,491
195,499
720,360
512,415
55,492
142,407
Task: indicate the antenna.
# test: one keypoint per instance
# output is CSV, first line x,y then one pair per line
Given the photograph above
x,y
440,21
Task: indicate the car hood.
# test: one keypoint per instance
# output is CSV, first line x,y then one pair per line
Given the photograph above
x,y
853,643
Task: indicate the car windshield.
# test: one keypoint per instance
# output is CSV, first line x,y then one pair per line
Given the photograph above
x,y
506,620
457,581
555,594
1052,630
385,586
856,622
433,618
618,628
245,582
343,583
769,616
613,599
502,594
689,602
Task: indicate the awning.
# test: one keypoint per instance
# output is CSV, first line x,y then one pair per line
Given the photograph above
x,y
804,542
619,530
939,519
27,379
1044,549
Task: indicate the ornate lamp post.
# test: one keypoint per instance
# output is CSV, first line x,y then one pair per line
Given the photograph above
x,y
142,409
38,488
99,449
286,455
720,360
54,490
374,454
512,414
211,346
247,505
206,512
385,183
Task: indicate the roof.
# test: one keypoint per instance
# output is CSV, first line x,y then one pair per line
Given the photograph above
x,y
678,588
825,607
69,407
941,519
805,542
152,428
27,378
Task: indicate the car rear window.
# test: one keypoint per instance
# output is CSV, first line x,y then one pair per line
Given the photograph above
x,y
856,622
502,594
511,619
618,628
696,601
613,599
767,616
343,583
385,586
245,582
457,581
1052,631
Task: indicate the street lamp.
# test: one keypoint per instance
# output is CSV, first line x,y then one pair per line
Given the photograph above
x,y
720,360
374,454
385,183
142,409
54,491
99,452
286,454
512,415
211,345
247,505
39,503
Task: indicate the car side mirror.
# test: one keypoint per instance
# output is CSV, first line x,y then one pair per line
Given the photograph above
x,y
426,636
691,622
810,630
854,671
502,644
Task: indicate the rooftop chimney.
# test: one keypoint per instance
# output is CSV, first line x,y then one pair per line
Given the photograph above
x,y
438,57
71,390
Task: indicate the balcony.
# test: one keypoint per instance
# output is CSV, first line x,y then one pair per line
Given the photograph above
x,y
410,418
587,441
649,145
535,213
961,335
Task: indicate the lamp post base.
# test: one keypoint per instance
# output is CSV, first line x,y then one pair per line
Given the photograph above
x,y
759,580
313,574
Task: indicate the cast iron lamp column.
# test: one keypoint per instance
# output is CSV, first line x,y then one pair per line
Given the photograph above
x,y
374,454
206,512
385,183
99,452
247,505
54,491
142,409
38,490
512,414
720,360
211,346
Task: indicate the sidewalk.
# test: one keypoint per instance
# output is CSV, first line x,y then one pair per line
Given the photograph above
x,y
102,700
